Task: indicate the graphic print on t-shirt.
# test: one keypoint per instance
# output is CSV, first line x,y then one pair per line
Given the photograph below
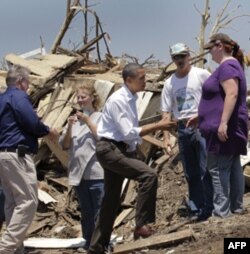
x,y
185,99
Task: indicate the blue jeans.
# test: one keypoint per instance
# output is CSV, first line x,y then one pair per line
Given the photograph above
x,y
192,147
2,198
90,194
228,182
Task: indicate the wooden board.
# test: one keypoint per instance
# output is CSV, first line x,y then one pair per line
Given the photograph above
x,y
62,156
109,76
153,141
65,113
103,89
162,159
142,102
43,104
58,106
247,175
120,218
154,241
45,66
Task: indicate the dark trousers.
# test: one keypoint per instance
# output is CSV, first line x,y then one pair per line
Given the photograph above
x,y
118,165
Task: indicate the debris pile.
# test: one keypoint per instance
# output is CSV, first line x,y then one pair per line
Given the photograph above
x,y
54,78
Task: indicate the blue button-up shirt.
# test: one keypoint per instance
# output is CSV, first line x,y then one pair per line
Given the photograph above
x,y
19,123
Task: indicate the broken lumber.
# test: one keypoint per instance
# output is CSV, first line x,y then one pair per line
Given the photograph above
x,y
122,216
153,141
155,241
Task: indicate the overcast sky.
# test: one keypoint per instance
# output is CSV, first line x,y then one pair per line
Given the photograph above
x,y
136,27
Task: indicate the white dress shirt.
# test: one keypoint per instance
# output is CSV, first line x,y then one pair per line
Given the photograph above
x,y
119,120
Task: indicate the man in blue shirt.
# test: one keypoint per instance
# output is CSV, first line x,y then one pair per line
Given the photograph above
x,y
19,133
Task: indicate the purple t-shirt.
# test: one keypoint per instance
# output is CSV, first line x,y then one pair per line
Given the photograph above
x,y
211,108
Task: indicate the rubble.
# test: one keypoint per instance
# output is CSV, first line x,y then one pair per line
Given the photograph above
x,y
54,77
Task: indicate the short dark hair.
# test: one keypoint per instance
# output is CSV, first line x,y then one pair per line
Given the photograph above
x,y
130,70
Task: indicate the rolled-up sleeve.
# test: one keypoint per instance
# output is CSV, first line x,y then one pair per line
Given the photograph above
x,y
123,122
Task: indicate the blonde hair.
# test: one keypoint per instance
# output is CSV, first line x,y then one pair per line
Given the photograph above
x,y
89,86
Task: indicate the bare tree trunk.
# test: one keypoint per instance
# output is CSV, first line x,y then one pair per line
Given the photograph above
x,y
98,26
201,38
65,26
223,20
85,40
68,7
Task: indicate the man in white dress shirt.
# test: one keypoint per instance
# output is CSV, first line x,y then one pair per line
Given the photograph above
x,y
119,135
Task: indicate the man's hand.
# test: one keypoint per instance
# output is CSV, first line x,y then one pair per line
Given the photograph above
x,y
165,124
167,144
192,121
53,134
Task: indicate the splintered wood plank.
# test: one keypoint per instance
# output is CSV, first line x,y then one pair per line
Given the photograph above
x,y
58,61
65,113
63,181
122,216
162,159
103,89
154,241
92,69
153,141
43,104
58,105
142,102
109,76
45,66
61,155
38,226
37,67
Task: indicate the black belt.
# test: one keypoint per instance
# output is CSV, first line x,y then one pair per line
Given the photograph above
x,y
13,150
119,144
10,150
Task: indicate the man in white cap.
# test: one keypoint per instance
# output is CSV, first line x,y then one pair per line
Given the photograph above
x,y
180,99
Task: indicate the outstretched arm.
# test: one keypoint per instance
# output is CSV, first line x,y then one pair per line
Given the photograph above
x,y
163,124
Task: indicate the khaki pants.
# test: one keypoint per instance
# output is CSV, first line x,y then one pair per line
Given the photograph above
x,y
19,182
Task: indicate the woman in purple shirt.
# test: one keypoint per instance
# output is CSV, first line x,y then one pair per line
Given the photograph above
x,y
223,121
